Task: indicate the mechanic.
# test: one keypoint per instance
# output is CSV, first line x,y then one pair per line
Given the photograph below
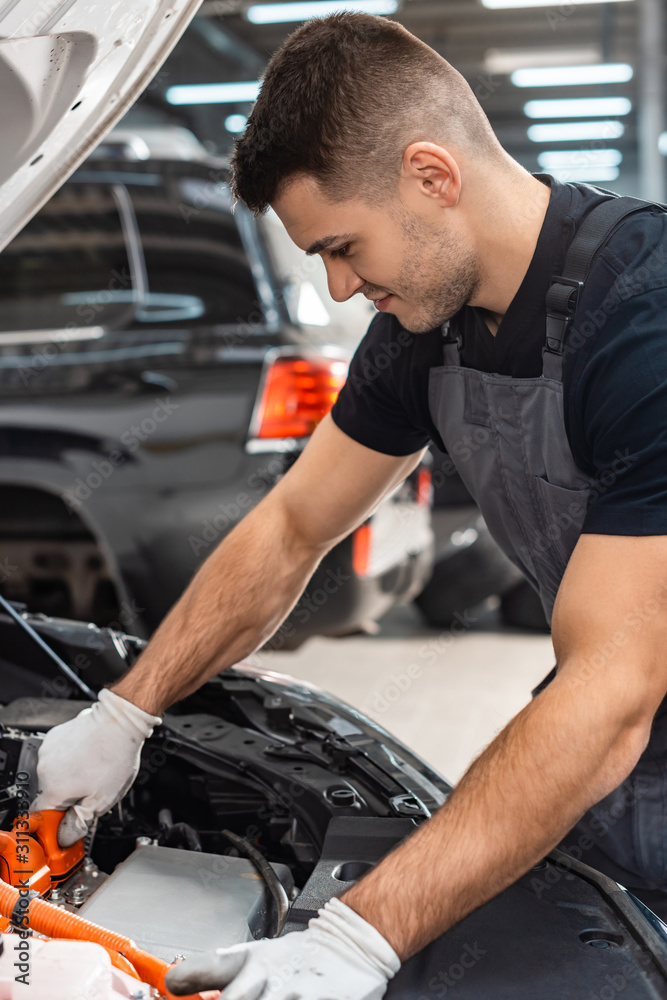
x,y
551,399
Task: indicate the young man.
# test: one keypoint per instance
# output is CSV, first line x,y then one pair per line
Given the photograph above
x,y
551,399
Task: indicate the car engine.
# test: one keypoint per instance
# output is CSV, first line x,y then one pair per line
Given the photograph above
x,y
223,837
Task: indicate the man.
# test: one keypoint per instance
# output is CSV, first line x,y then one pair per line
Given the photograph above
x,y
375,155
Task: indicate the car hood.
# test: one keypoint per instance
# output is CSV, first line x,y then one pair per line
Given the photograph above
x,y
69,69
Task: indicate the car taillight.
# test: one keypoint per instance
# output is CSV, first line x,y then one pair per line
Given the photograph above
x,y
423,489
361,549
298,392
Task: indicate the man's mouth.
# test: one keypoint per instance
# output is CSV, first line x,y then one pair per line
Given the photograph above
x,y
383,302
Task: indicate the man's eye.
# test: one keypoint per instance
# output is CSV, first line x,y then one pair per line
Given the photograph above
x,y
341,251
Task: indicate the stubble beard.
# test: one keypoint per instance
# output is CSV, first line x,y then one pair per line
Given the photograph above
x,y
439,277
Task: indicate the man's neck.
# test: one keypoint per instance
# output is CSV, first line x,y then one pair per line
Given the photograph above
x,y
510,220
492,320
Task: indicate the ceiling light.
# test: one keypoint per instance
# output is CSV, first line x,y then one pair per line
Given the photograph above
x,y
575,131
213,93
590,174
276,13
576,158
570,76
662,143
501,4
235,123
578,107
505,61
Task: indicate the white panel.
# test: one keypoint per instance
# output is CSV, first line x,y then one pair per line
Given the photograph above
x,y
68,71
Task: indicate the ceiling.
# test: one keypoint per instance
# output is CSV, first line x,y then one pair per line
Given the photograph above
x,y
222,45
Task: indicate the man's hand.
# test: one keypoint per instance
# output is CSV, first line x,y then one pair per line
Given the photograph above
x,y
87,764
339,957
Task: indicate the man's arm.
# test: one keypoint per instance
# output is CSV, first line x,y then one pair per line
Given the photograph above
x,y
575,743
249,584
234,603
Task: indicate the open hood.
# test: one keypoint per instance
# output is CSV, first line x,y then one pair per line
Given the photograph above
x,y
69,69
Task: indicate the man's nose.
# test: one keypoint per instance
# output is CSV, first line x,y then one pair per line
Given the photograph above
x,y
343,280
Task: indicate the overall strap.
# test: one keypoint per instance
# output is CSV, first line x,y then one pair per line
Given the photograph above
x,y
565,289
451,345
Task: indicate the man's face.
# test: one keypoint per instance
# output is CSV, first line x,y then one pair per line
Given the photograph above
x,y
407,264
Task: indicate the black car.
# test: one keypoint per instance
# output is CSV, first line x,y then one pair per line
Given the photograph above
x,y
163,360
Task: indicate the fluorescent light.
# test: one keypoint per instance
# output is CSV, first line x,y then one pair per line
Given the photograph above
x,y
662,143
575,158
235,123
570,76
214,93
578,107
501,4
575,131
277,13
504,61
590,174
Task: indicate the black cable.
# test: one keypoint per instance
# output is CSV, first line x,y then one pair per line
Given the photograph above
x,y
62,666
180,835
275,886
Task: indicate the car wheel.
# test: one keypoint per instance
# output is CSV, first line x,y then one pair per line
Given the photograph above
x,y
469,568
520,607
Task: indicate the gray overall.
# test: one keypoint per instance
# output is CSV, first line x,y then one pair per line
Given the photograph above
x,y
507,438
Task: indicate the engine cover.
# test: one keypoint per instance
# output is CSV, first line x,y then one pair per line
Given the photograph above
x,y
174,902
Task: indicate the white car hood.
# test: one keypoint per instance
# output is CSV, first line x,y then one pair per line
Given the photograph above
x,y
69,69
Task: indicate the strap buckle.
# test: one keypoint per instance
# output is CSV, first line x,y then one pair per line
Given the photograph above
x,y
559,279
448,337
561,302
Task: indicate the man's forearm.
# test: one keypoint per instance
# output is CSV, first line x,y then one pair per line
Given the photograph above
x,y
558,757
235,602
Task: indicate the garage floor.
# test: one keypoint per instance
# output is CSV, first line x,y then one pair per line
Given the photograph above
x,y
444,694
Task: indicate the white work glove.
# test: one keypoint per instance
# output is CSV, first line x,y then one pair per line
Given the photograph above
x,y
339,957
87,764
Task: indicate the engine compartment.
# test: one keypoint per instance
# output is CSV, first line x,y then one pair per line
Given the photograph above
x,y
257,772
271,766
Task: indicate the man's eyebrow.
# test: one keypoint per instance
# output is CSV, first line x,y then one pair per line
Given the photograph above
x,y
325,242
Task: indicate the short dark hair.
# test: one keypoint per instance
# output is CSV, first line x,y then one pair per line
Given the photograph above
x,y
343,98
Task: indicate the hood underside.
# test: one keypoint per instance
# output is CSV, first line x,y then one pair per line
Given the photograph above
x,y
69,69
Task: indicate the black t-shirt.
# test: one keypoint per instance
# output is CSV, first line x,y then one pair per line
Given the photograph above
x,y
615,370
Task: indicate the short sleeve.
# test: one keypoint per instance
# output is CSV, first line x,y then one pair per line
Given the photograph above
x,y
370,407
620,403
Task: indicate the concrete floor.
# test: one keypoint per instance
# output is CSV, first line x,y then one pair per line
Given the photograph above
x,y
444,693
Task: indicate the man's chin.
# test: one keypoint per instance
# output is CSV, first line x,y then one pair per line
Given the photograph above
x,y
416,324
410,321
419,323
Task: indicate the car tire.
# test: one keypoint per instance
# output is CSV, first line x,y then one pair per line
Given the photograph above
x,y
469,568
520,607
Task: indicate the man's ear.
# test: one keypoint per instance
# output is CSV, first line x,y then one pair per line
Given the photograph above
x,y
431,171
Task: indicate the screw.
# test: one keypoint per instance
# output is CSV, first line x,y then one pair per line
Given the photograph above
x,y
77,893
